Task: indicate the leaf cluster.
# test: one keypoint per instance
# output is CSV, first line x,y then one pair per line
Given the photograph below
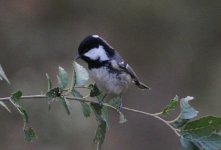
x,y
29,132
195,134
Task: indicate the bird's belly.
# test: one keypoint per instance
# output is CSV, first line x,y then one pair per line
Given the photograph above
x,y
110,83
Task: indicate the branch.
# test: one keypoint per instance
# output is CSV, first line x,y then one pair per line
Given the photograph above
x,y
155,115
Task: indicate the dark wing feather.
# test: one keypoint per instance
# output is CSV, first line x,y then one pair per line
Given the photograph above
x,y
122,65
127,68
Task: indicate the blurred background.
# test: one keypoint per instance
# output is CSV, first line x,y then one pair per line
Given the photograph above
x,y
174,46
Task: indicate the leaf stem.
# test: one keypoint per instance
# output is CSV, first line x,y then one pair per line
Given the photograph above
x,y
176,131
155,115
172,121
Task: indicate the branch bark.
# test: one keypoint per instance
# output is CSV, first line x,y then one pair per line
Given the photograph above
x,y
155,115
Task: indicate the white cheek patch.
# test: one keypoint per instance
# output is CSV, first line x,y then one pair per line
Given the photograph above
x,y
97,53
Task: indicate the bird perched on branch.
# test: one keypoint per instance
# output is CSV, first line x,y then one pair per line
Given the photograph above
x,y
107,68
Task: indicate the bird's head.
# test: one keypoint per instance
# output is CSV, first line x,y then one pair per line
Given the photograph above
x,y
94,50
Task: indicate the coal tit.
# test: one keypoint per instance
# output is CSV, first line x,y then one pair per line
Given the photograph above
x,y
110,72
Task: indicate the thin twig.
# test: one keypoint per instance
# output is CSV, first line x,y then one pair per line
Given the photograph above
x,y
155,115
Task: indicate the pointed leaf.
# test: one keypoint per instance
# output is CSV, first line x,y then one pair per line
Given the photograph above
x,y
14,99
188,145
104,114
100,134
23,113
102,124
30,134
3,75
210,142
62,78
81,75
97,111
203,132
85,106
122,118
203,126
86,109
5,106
171,106
187,111
66,105
49,82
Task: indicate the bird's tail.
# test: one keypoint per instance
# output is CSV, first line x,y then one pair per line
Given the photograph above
x,y
141,85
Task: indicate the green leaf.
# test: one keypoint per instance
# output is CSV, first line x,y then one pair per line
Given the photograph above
x,y
81,75
188,145
97,111
100,134
203,126
66,104
203,132
53,93
94,91
24,113
5,106
49,82
210,142
62,78
85,106
171,106
187,111
16,96
102,119
122,118
3,75
104,112
14,99
86,109
30,134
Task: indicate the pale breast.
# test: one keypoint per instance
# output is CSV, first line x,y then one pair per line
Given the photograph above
x,y
109,82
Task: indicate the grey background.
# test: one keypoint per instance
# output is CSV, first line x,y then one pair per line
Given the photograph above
x,y
174,46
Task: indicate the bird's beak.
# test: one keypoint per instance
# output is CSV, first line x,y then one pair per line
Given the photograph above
x,y
77,57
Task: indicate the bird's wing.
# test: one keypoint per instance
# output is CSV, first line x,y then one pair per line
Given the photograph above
x,y
119,64
127,68
123,66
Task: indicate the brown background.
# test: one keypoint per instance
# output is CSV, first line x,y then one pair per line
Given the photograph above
x,y
174,46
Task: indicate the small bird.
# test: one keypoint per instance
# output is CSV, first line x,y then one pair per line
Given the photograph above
x,y
112,75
